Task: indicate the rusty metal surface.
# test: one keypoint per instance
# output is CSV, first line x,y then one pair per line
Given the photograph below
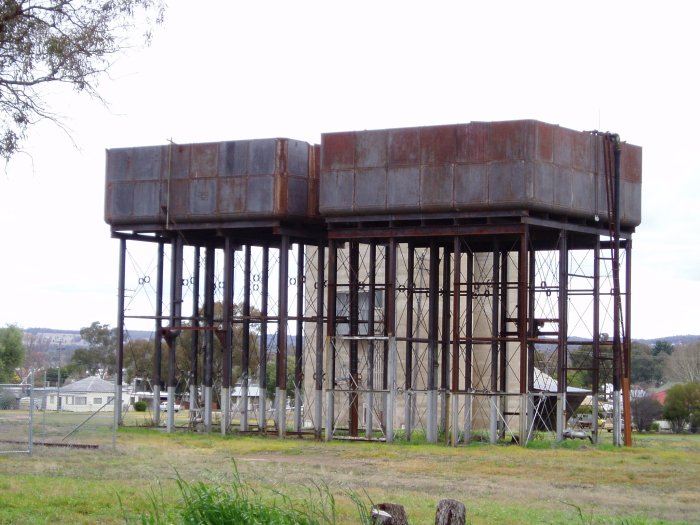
x,y
519,165
212,182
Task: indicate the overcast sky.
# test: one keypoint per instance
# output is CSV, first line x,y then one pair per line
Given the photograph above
x,y
220,70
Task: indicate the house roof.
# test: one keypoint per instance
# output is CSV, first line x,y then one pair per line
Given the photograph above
x,y
546,383
88,385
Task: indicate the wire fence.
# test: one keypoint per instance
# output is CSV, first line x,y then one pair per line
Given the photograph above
x,y
32,417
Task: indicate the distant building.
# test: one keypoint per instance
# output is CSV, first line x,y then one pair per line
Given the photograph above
x,y
87,395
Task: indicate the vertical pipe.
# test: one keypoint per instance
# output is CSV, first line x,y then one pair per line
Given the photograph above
x,y
369,430
228,336
194,358
245,343
158,340
354,325
209,285
330,337
408,388
118,421
390,347
433,364
318,405
299,349
262,362
283,314
175,322
456,290
562,356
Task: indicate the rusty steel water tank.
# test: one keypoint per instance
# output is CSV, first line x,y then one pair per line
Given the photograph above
x,y
522,165
212,183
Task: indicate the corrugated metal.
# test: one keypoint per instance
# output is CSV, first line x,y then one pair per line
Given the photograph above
x,y
519,165
211,182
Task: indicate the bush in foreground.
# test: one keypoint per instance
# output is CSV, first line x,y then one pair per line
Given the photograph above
x,y
238,503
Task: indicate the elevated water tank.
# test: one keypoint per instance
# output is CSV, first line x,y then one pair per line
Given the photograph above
x,y
212,183
521,165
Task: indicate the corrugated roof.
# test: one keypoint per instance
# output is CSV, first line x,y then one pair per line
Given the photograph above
x,y
89,384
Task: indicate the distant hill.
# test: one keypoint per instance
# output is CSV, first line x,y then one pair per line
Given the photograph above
x,y
674,340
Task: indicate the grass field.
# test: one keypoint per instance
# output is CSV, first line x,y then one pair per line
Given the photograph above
x,y
656,481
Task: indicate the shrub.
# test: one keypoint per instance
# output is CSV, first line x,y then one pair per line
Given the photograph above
x,y
140,406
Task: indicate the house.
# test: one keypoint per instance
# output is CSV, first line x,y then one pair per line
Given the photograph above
x,y
87,395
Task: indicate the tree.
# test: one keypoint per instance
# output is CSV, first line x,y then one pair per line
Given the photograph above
x,y
11,352
58,42
683,365
682,406
644,411
100,352
662,347
647,366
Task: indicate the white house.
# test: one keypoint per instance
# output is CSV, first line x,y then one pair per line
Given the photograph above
x,y
87,395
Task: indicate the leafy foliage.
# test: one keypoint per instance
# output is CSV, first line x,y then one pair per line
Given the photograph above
x,y
682,406
100,352
11,352
644,411
67,42
238,503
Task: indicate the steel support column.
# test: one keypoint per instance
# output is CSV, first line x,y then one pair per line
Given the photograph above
x,y
562,355
409,395
227,362
194,345
283,315
158,339
390,351
207,376
372,278
262,361
318,380
245,342
175,322
433,364
523,330
299,341
456,291
445,344
118,420
330,336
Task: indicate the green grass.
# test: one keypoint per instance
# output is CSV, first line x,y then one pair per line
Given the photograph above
x,y
655,481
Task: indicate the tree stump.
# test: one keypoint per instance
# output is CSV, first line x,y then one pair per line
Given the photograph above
x,y
389,514
451,512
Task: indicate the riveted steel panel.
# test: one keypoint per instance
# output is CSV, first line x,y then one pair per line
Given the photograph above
x,y
204,161
438,145
519,165
404,147
338,151
371,149
370,190
203,197
436,183
403,188
231,196
236,159
297,158
471,186
263,156
211,182
337,191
